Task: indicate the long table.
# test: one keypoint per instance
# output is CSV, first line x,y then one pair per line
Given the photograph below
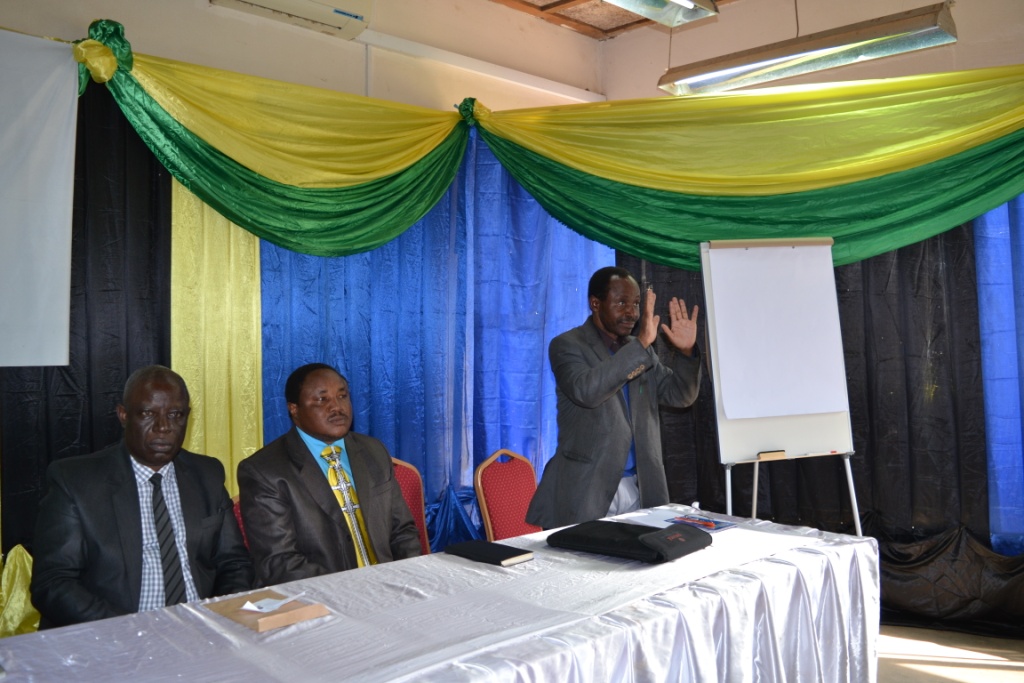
x,y
764,602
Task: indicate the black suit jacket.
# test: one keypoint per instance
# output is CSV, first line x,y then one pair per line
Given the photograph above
x,y
293,521
87,561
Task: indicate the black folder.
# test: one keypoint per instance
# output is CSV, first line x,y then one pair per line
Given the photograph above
x,y
632,541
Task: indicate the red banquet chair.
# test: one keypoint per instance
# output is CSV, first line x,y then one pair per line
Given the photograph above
x,y
504,485
238,516
411,483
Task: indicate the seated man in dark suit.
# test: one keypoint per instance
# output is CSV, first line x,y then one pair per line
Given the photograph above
x,y
321,498
139,525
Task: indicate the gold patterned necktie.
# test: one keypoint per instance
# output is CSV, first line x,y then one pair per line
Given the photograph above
x,y
350,508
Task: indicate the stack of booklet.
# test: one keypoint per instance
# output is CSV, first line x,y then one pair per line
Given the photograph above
x,y
266,609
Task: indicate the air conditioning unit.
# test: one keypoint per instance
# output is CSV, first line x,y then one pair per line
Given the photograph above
x,y
343,18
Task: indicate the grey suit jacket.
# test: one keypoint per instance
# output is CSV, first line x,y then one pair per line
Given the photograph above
x,y
595,427
292,519
87,550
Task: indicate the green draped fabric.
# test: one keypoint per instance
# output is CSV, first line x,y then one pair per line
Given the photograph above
x,y
931,153
775,140
866,218
318,221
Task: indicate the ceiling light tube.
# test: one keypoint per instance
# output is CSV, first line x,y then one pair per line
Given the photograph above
x,y
917,29
671,13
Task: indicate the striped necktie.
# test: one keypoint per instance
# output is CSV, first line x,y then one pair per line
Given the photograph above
x,y
349,502
174,581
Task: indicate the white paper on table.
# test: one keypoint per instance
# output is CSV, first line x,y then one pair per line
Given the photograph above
x,y
270,604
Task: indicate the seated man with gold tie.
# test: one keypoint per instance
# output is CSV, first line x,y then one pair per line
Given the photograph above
x,y
320,498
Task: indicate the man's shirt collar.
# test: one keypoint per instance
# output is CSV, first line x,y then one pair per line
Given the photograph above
x,y
316,447
612,343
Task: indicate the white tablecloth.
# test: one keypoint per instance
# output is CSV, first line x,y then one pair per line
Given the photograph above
x,y
763,602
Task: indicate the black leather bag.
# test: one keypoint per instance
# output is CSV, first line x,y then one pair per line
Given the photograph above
x,y
633,541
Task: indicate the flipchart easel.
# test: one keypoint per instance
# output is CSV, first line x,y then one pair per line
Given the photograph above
x,y
776,355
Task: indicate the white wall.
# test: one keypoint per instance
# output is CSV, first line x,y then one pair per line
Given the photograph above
x,y
537,52
514,60
989,33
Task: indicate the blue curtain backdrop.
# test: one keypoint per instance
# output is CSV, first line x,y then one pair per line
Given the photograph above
x,y
442,333
999,245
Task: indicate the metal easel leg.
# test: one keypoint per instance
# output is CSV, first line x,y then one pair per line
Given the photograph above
x,y
853,496
753,503
728,489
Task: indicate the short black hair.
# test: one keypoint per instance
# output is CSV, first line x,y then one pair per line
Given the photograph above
x,y
149,372
293,387
600,281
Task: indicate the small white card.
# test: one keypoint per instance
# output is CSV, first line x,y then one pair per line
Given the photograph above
x,y
270,604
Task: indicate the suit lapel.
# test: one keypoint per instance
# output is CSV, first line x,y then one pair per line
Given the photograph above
x,y
601,353
192,506
592,336
311,477
362,478
124,497
357,461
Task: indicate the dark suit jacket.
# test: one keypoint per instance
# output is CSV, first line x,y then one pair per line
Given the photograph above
x,y
595,428
293,521
87,550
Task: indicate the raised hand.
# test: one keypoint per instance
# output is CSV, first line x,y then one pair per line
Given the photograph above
x,y
648,330
682,328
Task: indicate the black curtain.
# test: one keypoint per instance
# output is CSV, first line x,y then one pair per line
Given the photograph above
x,y
913,361
120,312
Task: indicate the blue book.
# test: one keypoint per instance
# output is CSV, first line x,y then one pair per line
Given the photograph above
x,y
701,522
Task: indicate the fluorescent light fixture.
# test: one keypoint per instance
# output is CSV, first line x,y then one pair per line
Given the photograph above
x,y
671,13
895,34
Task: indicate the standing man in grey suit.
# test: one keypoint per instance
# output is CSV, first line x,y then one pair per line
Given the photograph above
x,y
609,385
321,498
140,525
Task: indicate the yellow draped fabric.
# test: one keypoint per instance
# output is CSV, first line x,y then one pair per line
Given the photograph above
x,y
775,140
216,339
100,60
769,141
17,615
294,134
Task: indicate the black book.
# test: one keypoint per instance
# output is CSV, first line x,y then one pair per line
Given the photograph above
x,y
491,553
